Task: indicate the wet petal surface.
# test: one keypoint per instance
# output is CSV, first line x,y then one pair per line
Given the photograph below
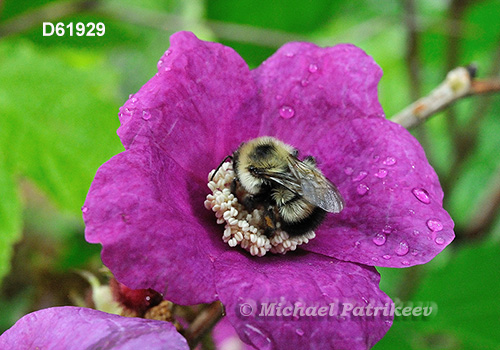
x,y
248,286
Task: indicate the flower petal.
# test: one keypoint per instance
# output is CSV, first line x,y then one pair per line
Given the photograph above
x,y
306,90
247,286
394,212
190,107
140,207
79,328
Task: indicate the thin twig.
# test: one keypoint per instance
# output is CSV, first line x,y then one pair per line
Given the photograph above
x,y
459,83
203,323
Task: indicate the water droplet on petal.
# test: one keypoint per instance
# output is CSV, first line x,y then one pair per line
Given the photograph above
x,y
434,225
85,209
439,240
361,175
389,161
375,259
422,195
257,338
414,252
402,248
348,170
146,115
416,232
159,64
362,189
312,68
299,332
381,173
304,82
168,69
405,262
386,257
357,243
286,112
289,54
387,229
379,239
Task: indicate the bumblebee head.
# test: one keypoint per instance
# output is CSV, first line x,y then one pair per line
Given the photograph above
x,y
256,159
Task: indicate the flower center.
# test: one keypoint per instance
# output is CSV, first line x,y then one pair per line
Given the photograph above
x,y
244,228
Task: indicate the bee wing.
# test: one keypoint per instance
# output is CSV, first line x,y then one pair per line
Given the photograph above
x,y
315,187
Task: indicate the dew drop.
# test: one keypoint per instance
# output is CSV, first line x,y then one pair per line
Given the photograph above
x,y
416,232
386,257
312,68
422,195
304,82
414,252
405,262
361,175
289,54
299,332
159,64
287,112
387,229
389,161
168,69
146,115
381,173
348,170
379,239
434,225
168,52
375,259
362,189
357,243
85,209
257,338
439,240
402,248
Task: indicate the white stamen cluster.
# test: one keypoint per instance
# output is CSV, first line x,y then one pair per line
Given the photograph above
x,y
241,227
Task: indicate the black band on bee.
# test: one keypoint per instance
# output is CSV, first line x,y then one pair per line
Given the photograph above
x,y
310,223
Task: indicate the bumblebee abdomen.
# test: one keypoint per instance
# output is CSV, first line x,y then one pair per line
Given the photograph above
x,y
308,223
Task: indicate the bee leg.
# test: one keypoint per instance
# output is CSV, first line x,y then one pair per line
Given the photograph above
x,y
269,221
310,160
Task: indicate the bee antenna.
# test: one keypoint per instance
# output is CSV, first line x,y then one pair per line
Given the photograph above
x,y
216,170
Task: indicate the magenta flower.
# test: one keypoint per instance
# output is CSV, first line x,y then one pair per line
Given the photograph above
x,y
146,208
79,328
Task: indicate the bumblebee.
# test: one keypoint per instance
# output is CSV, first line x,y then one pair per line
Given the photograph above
x,y
294,195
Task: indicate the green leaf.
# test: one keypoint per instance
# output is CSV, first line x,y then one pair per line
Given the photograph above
x,y
466,293
59,117
10,219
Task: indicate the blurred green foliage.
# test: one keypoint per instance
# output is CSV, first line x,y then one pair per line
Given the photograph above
x,y
59,99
